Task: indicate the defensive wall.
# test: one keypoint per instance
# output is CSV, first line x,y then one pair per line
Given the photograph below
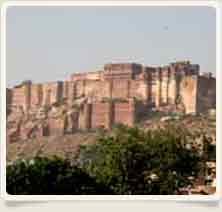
x,y
117,94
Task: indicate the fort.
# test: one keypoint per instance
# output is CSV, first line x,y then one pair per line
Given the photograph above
x,y
120,93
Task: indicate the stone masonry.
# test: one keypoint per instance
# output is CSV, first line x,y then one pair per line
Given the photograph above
x,y
120,93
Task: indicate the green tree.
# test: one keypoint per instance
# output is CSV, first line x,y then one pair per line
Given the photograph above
x,y
44,176
132,161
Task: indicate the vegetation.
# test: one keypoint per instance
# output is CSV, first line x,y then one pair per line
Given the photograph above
x,y
127,161
113,100
131,161
44,176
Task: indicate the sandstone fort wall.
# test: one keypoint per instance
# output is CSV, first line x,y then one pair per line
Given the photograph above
x,y
188,93
121,93
206,95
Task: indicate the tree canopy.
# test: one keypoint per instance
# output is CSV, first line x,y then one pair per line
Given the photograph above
x,y
127,161
132,161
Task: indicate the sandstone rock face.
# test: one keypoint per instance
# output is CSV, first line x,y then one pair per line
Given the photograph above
x,y
121,93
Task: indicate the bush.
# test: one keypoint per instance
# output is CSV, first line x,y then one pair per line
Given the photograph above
x,y
44,176
127,161
131,161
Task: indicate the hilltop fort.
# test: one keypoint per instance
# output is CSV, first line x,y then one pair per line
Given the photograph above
x,y
120,93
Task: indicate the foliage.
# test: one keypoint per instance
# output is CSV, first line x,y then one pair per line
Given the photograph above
x,y
131,161
44,176
209,149
113,100
126,161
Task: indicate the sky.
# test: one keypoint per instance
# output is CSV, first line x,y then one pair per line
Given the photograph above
x,y
50,43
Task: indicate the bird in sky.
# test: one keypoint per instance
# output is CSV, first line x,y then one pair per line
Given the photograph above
x,y
165,27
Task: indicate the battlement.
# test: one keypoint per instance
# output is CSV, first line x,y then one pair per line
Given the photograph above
x,y
96,75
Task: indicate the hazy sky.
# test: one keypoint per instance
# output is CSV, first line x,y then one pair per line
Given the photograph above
x,y
48,44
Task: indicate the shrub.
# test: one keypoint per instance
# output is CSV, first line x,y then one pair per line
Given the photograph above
x,y
131,161
44,176
126,161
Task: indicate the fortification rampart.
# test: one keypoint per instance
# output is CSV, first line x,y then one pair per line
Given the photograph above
x,y
159,86
107,97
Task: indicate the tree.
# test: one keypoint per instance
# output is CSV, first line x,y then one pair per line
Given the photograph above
x,y
44,176
132,161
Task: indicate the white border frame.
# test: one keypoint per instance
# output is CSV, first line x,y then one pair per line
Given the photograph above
x,y
215,197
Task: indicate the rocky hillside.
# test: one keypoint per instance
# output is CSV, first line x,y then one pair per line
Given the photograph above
x,y
62,146
67,146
